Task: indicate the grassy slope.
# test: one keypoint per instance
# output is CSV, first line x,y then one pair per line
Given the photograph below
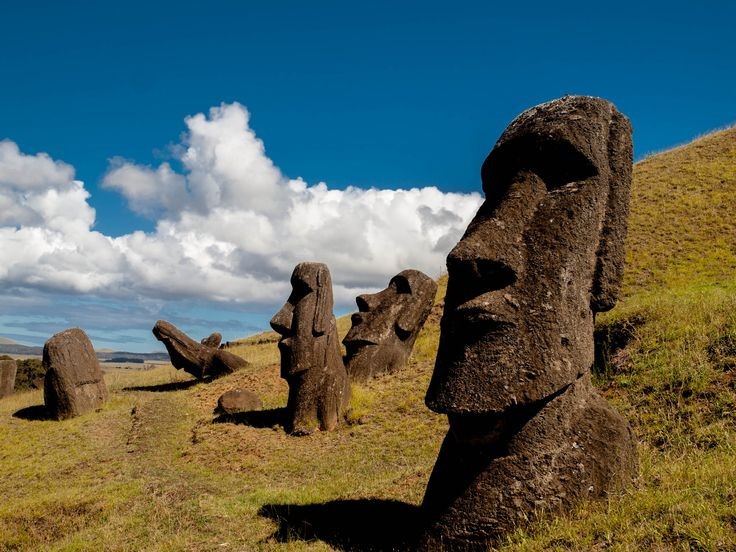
x,y
151,471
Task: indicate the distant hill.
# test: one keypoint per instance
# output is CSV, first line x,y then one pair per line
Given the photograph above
x,y
122,356
6,341
16,349
104,355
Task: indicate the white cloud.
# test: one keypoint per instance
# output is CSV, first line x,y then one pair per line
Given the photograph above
x,y
230,227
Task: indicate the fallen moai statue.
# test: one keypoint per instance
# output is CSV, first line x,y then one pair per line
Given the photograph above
x,y
74,383
201,361
319,389
387,324
528,432
8,370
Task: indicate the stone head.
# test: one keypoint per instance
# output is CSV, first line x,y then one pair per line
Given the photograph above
x,y
543,254
177,343
387,324
306,319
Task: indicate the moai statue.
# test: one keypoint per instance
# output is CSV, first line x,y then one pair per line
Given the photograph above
x,y
8,369
545,252
213,340
201,360
73,384
387,324
319,390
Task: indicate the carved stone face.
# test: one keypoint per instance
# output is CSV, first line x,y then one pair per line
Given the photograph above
x,y
387,324
304,319
542,255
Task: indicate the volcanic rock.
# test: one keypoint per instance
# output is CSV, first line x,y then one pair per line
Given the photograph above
x,y
237,401
74,383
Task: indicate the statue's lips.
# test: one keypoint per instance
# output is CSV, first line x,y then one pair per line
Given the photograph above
x,y
474,315
285,343
358,343
477,428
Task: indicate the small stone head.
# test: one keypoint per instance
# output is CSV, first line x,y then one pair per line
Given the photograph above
x,y
387,324
212,341
543,254
306,319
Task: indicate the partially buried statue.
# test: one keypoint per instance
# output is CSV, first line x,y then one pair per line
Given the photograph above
x,y
202,360
73,384
8,370
319,390
387,324
213,340
528,432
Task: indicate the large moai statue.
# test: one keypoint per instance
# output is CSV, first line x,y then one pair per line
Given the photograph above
x,y
319,389
387,324
74,383
202,360
8,370
545,252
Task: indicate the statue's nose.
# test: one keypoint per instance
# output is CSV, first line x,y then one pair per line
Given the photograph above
x,y
281,321
367,301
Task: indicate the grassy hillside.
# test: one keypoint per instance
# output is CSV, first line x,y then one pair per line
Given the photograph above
x,y
151,471
682,229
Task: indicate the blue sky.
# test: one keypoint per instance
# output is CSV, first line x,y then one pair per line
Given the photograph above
x,y
383,94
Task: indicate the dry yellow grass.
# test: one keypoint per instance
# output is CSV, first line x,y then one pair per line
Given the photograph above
x,y
153,471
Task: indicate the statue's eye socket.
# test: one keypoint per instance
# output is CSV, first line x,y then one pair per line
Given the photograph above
x,y
402,334
402,284
363,305
557,162
300,289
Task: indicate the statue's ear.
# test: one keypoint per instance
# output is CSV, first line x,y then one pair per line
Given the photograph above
x,y
407,319
610,256
422,289
323,306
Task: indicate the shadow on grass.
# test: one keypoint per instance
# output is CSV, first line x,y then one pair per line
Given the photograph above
x,y
254,418
164,387
33,413
349,525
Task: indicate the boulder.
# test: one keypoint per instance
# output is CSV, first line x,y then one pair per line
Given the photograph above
x,y
238,401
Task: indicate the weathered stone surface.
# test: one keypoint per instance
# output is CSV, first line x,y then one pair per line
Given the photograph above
x,y
319,390
213,340
201,361
8,369
387,324
237,401
543,254
73,384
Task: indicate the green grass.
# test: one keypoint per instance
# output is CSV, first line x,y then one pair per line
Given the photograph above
x,y
151,471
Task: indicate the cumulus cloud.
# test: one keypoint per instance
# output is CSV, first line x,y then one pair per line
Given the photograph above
x,y
229,227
